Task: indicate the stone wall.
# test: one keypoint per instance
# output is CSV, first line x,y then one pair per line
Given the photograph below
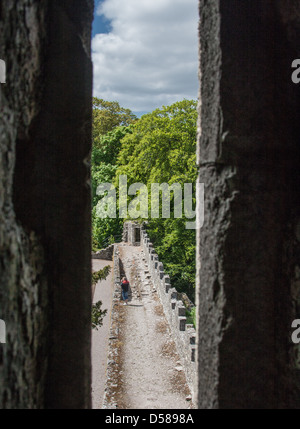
x,y
132,233
45,141
116,268
248,248
184,335
114,362
23,286
105,254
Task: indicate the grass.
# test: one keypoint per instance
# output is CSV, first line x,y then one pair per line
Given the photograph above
x,y
191,317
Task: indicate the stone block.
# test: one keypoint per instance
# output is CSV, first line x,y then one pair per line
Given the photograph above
x,y
181,310
182,322
193,354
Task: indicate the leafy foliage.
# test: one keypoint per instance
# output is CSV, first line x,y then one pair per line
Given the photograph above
x,y
100,275
191,317
110,126
108,115
98,314
161,149
158,148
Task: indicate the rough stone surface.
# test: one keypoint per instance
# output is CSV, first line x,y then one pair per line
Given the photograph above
x,y
104,254
144,368
174,310
248,154
132,233
45,134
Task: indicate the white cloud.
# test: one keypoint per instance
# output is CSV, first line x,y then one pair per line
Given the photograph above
x,y
150,57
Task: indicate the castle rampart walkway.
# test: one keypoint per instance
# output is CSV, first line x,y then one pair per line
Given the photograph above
x,y
144,368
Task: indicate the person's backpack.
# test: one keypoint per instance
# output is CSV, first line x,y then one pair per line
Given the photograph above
x,y
125,285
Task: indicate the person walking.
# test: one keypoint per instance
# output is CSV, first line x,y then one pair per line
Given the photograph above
x,y
125,287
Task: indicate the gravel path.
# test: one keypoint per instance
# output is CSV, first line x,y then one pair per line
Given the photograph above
x,y
103,292
152,375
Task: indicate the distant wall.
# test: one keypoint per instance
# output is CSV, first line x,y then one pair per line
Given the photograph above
x,y
104,254
116,267
132,233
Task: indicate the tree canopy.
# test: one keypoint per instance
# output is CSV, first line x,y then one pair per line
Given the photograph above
x,y
111,123
108,115
158,148
162,149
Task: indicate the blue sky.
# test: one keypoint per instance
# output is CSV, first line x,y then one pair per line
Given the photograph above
x,y
145,52
100,24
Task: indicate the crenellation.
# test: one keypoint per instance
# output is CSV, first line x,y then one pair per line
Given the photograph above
x,y
182,322
184,334
181,309
193,354
174,294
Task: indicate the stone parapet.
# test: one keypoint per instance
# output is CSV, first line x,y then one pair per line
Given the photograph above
x,y
183,334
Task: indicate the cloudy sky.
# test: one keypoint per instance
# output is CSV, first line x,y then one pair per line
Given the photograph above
x,y
145,52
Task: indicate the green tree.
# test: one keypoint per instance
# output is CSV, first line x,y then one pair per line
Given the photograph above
x,y
108,115
161,149
110,124
104,166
